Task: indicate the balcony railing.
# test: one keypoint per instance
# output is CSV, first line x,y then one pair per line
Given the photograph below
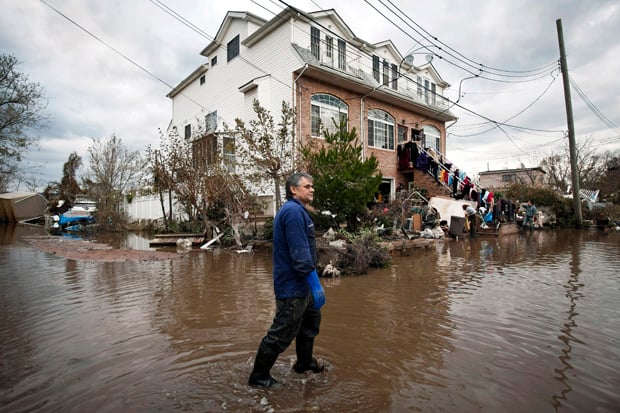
x,y
354,68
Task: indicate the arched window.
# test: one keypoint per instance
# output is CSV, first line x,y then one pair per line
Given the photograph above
x,y
380,129
432,137
327,109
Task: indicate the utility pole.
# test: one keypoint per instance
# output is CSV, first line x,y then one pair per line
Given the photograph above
x,y
571,127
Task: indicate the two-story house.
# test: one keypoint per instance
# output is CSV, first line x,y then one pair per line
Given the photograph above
x,y
503,178
317,64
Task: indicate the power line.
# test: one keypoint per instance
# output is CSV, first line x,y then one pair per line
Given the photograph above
x,y
478,67
106,44
195,28
475,64
591,105
202,33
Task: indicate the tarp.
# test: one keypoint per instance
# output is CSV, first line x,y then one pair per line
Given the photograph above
x,y
21,206
448,207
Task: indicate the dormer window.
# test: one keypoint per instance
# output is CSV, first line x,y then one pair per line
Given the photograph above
x,y
329,43
386,72
428,90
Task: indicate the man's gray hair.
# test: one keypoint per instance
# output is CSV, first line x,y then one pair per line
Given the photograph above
x,y
294,181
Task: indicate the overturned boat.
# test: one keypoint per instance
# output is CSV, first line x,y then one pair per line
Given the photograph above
x,y
22,206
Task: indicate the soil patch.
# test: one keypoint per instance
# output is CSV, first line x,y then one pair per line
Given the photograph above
x,y
81,250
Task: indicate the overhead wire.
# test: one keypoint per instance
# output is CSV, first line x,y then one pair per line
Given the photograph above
x,y
121,54
474,63
185,22
591,105
437,111
195,28
479,67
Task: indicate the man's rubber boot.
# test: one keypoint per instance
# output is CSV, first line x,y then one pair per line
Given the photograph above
x,y
305,361
260,373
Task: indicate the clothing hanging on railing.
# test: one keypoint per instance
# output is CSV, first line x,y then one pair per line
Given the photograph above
x,y
422,161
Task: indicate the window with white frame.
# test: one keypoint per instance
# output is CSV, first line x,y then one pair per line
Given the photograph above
x,y
228,144
375,67
315,42
211,122
329,49
342,54
394,76
386,72
427,89
432,137
188,132
402,134
380,129
327,112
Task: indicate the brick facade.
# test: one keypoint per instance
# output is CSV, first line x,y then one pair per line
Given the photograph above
x,y
388,161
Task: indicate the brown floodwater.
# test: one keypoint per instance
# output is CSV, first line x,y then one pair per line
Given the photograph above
x,y
525,323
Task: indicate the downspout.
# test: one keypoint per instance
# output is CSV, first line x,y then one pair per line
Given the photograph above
x,y
298,119
362,127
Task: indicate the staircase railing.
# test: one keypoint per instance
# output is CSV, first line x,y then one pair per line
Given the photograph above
x,y
440,165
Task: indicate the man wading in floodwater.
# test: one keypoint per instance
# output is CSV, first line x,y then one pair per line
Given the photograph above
x,y
298,291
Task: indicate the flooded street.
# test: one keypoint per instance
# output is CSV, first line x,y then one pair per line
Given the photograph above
x,y
526,323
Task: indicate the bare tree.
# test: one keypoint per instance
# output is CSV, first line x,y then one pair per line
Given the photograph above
x,y
203,184
114,169
590,162
21,112
163,164
266,149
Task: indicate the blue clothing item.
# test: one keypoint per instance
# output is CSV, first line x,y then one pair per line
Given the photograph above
x,y
530,210
294,250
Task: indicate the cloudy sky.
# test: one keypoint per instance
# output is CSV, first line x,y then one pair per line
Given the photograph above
x,y
106,67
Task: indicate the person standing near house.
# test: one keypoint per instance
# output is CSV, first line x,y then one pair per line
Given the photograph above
x,y
470,216
298,291
530,212
455,183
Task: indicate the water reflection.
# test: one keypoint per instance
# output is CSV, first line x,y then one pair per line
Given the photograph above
x,y
572,294
527,322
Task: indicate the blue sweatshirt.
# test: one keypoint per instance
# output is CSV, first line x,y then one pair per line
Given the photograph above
x,y
294,250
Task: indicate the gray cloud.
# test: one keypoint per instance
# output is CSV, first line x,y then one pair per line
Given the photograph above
x,y
94,92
